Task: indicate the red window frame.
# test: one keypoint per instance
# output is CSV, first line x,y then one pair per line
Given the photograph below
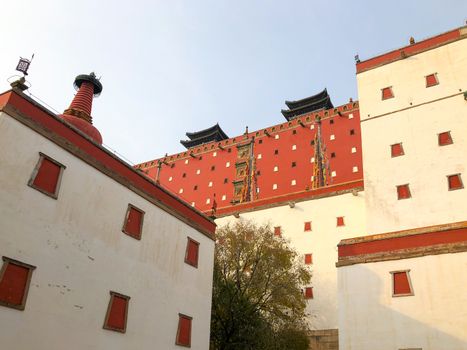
x,y
308,259
308,293
192,252
445,138
42,181
387,93
401,284
115,309
307,226
403,192
9,283
277,231
129,218
397,150
431,80
455,182
340,221
184,325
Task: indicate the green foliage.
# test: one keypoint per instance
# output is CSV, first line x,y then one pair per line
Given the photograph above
x,y
257,298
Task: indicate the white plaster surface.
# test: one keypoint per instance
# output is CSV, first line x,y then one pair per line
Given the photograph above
x,y
81,254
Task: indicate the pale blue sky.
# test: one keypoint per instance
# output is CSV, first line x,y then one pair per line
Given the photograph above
x,y
174,66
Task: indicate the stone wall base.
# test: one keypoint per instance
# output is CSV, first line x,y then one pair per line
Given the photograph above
x,y
324,339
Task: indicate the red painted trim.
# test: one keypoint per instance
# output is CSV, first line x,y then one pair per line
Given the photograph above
x,y
289,197
60,128
416,48
403,242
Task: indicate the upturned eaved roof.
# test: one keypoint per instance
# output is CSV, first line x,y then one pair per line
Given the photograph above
x,y
214,133
313,103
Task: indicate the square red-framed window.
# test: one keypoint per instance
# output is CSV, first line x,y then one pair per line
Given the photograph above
x,y
133,224
455,182
397,150
307,226
184,330
15,278
401,284
192,252
403,191
277,231
431,80
340,221
308,259
117,312
308,293
47,175
444,138
387,93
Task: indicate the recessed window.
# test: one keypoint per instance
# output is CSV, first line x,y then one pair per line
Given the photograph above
x,y
333,155
350,116
172,165
276,168
387,93
170,178
312,142
258,173
226,180
214,154
308,259
332,137
186,161
352,132
294,132
208,201
210,184
307,226
355,169
293,182
294,164
333,174
274,186
224,197
276,151
312,159
195,188
340,221
397,150
213,168
401,284
403,191
184,175
191,254
227,164
277,231
201,157
133,224
276,136
455,182
184,330
309,293
117,311
47,175
260,141
431,80
444,138
294,147
353,150
229,150
15,277
259,156
331,121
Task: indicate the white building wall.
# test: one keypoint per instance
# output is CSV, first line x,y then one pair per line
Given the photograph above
x,y
81,254
321,242
415,117
434,318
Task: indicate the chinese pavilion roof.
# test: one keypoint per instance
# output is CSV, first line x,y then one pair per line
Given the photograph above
x,y
313,103
214,133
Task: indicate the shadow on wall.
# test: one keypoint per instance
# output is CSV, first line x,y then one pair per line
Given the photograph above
x,y
376,320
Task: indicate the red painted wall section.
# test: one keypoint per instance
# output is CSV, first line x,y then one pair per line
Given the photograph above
x,y
13,284
47,176
117,313
337,136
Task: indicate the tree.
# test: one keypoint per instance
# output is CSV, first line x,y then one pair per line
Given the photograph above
x,y
257,298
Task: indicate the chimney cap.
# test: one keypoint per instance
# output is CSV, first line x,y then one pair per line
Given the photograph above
x,y
80,79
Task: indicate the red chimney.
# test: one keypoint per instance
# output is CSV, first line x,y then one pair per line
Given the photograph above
x,y
79,112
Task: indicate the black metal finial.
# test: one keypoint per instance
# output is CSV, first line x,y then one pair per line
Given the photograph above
x,y
89,78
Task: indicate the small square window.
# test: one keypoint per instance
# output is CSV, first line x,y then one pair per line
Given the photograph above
x,y
195,188
294,147
307,226
46,176
198,171
260,141
331,121
332,137
214,154
172,165
276,151
340,221
259,156
180,191
276,168
293,182
192,251
276,136
208,201
353,150
210,184
294,132
15,277
117,311
387,93
355,169
401,284
184,175
294,164
352,132
350,116
186,161
226,180
431,80
455,182
403,191
308,259
333,155
444,138
277,231
309,293
213,168
224,197
333,174
229,150
133,224
397,150
170,178
312,142
184,330
274,186
227,164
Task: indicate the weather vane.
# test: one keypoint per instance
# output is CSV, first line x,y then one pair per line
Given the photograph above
x,y
23,65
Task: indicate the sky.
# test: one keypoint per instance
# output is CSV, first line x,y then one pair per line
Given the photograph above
x,y
174,66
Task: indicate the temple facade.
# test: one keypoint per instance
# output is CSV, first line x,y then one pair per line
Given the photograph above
x,y
369,192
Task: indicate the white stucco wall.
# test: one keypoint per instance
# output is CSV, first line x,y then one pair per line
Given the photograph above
x,y
321,242
434,318
81,254
425,165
